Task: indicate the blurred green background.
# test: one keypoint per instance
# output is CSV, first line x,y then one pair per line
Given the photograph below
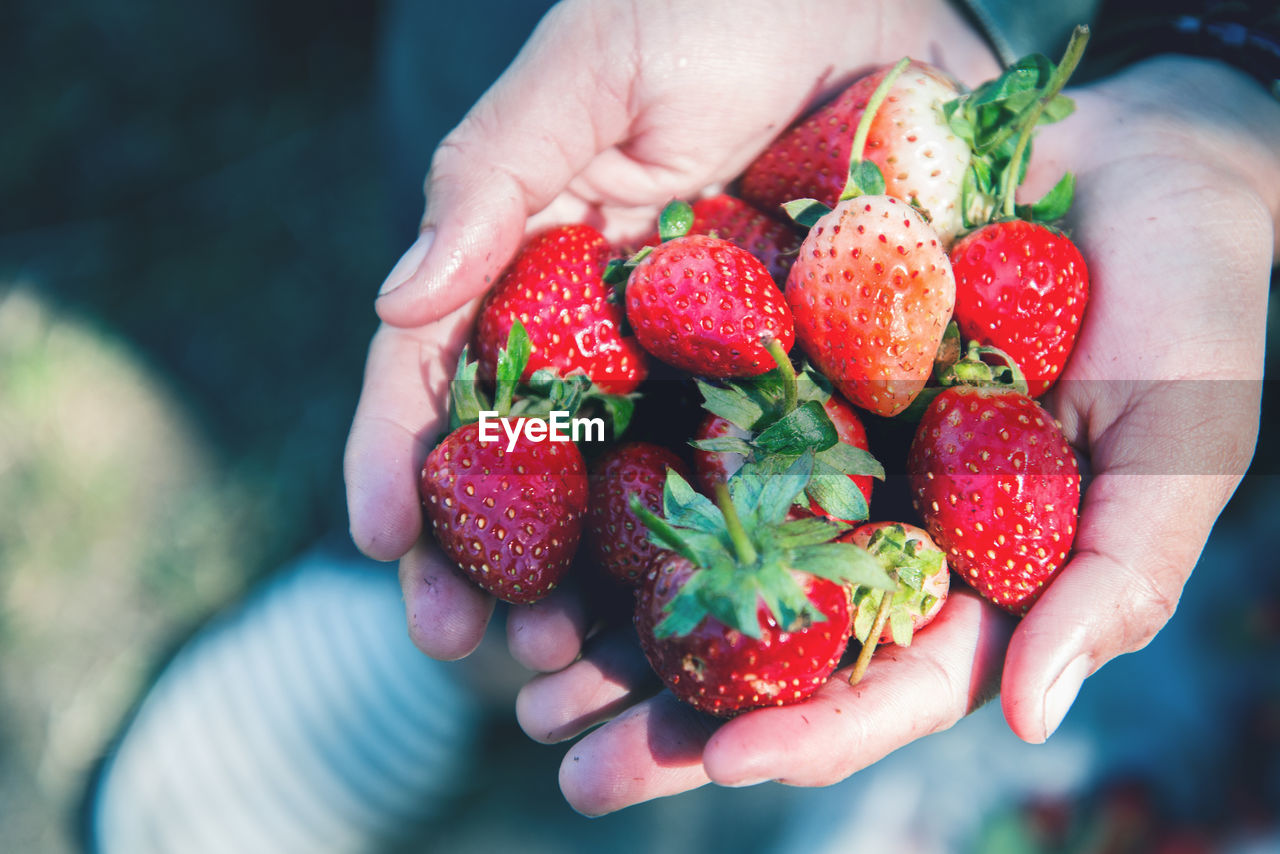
x,y
200,202
196,219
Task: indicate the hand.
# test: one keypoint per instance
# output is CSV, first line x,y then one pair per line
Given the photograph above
x,y
612,109
1178,196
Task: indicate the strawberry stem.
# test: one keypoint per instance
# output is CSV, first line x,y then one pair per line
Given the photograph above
x,y
873,637
783,362
742,546
873,106
1067,67
854,185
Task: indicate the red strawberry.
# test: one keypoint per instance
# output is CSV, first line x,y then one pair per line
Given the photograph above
x,y
554,287
704,305
712,467
616,539
921,159
1022,287
920,569
723,671
872,292
510,519
998,488
747,610
773,242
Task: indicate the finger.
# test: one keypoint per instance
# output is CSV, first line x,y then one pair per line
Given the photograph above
x,y
547,635
612,676
446,613
1139,538
518,147
1145,517
652,750
950,668
402,409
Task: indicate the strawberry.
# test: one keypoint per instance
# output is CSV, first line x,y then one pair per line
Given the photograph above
x,y
922,159
762,424
1022,287
773,242
998,488
510,519
746,610
704,305
711,467
554,287
615,538
509,516
872,292
918,567
723,671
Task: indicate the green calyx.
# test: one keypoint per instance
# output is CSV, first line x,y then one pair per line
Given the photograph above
x,y
783,413
974,370
676,220
911,566
998,120
467,399
950,368
544,392
746,552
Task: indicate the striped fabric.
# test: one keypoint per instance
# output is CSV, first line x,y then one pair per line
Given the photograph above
x,y
305,721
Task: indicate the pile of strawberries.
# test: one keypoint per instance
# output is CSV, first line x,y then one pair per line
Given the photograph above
x,y
872,264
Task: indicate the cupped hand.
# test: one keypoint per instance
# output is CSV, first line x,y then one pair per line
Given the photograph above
x,y
610,110
1176,214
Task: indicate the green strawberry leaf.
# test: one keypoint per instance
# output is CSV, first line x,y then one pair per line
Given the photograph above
x,y
779,491
685,507
865,179
806,212
724,445
949,349
616,273
807,427
850,460
920,404
685,611
1054,204
843,563
810,531
619,408
512,361
837,495
866,616
785,597
732,403
675,220
1058,108
466,400
811,385
900,627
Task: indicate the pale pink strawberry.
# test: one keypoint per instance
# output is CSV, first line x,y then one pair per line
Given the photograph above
x,y
871,294
921,159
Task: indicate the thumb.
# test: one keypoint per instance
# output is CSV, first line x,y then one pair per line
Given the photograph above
x,y
1145,518
536,128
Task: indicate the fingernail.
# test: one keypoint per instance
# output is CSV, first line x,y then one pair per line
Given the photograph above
x,y
409,262
1062,693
